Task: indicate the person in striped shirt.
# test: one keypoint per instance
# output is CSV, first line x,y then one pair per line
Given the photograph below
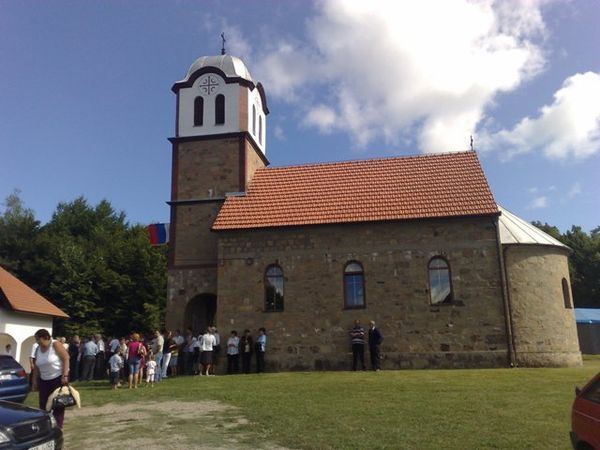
x,y
357,337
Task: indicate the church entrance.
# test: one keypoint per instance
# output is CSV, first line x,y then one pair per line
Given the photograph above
x,y
200,312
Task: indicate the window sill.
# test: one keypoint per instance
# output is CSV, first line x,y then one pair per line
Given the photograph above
x,y
446,304
273,310
355,307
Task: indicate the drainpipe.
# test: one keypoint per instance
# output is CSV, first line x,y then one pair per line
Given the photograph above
x,y
505,299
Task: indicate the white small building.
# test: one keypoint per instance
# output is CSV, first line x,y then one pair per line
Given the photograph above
x,y
22,312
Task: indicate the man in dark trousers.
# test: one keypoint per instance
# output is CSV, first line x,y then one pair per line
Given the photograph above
x,y
375,339
357,337
246,344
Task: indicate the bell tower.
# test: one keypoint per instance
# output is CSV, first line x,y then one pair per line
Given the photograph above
x,y
219,143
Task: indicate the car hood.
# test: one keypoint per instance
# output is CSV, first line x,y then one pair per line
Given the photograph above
x,y
11,413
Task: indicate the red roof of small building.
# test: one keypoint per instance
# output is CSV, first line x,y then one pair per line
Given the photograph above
x,y
402,188
22,298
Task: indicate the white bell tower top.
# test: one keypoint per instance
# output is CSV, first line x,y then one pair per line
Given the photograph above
x,y
218,96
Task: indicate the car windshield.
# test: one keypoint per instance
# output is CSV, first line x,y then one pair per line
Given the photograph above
x,y
8,362
593,392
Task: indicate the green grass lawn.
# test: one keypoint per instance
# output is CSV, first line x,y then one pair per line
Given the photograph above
x,y
492,408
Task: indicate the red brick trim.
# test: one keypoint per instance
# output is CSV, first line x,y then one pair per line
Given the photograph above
x,y
177,116
242,164
173,215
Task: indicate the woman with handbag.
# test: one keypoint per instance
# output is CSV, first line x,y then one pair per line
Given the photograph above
x,y
136,352
51,370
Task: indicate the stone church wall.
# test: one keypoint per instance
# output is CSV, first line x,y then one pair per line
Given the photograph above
x,y
544,329
185,285
312,331
207,165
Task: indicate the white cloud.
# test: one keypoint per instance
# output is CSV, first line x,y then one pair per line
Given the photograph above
x,y
321,117
389,69
575,190
538,203
569,127
279,133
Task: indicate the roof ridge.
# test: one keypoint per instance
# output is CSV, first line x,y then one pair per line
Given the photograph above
x,y
375,159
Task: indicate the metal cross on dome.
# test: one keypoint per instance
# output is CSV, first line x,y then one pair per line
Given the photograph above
x,y
208,85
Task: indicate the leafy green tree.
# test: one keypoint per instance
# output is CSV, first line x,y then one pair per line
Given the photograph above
x,y
90,262
18,233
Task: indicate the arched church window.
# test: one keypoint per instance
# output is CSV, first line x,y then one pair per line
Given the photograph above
x,y
566,294
254,120
220,109
354,285
260,130
440,287
274,288
198,111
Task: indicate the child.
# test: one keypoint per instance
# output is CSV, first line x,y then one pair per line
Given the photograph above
x,y
116,364
150,370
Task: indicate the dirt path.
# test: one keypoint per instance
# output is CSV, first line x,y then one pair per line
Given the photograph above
x,y
161,425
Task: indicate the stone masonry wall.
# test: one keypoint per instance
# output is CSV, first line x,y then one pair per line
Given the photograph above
x,y
312,331
545,331
253,161
195,243
183,286
208,164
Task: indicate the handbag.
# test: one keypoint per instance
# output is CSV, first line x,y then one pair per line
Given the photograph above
x,y
64,399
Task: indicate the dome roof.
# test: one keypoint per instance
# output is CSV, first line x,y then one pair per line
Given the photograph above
x,y
232,67
514,230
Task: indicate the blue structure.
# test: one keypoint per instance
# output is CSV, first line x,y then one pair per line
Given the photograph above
x,y
588,330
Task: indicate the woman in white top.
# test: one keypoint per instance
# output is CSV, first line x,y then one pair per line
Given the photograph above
x,y
51,369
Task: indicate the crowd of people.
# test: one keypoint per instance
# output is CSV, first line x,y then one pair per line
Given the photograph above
x,y
55,362
161,355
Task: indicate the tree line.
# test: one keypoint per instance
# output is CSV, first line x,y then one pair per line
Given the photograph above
x,y
90,262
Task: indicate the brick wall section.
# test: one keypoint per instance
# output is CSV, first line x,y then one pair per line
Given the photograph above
x,y
312,332
545,331
183,286
208,164
243,108
253,161
195,243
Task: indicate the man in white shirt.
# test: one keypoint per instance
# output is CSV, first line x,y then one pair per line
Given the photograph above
x,y
206,346
233,353
216,347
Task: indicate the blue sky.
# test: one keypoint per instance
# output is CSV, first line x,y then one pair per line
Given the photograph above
x,y
86,106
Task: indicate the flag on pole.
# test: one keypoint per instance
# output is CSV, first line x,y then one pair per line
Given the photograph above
x,y
159,233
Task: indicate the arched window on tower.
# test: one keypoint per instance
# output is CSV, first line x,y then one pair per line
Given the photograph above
x,y
220,109
254,120
566,294
440,287
260,141
354,285
274,288
198,111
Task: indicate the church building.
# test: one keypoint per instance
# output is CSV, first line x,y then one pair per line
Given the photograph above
x,y
418,244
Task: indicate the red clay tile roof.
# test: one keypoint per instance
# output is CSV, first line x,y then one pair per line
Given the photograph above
x,y
414,187
24,299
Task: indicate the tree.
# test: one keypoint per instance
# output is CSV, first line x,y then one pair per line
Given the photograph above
x,y
90,262
18,233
